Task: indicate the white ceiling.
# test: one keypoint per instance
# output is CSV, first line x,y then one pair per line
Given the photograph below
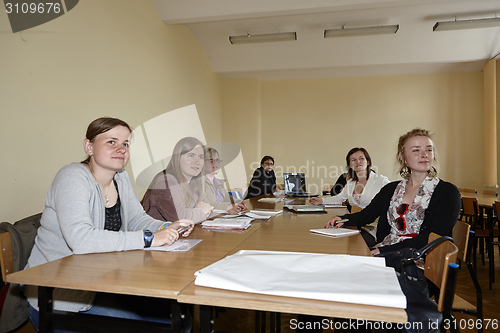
x,y
414,49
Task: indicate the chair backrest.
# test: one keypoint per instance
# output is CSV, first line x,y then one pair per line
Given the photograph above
x,y
467,190
461,233
236,193
490,192
437,264
470,206
6,257
355,209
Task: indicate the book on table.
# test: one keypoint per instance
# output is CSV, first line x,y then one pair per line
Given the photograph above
x,y
263,211
335,232
227,223
305,208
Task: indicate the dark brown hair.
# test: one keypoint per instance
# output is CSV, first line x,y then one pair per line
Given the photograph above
x,y
350,172
102,125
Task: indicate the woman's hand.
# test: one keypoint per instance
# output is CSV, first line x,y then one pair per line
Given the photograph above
x,y
375,251
316,201
206,208
169,234
237,208
333,222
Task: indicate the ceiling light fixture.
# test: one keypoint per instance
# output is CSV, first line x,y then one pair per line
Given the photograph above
x,y
467,24
365,31
265,38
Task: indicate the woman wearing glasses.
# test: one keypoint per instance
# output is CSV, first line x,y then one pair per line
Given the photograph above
x,y
263,179
410,209
179,189
215,191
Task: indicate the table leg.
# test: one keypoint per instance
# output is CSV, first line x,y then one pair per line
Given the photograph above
x,y
206,319
45,305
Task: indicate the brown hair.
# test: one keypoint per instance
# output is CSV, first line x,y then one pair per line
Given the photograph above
x,y
102,125
350,172
404,171
197,184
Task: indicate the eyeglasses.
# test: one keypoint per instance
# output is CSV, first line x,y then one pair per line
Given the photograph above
x,y
400,221
212,160
269,163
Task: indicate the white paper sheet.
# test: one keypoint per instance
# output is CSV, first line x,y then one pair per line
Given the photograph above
x,y
180,245
335,232
341,278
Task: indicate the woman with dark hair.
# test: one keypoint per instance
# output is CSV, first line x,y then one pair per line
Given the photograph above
x,y
91,207
178,191
410,209
362,182
263,179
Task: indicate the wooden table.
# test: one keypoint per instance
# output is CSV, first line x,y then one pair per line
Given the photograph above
x,y
171,274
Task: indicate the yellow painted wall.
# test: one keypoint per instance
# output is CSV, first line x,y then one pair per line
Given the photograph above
x,y
103,58
309,125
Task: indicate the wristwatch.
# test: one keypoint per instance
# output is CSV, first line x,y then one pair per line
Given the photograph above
x,y
148,238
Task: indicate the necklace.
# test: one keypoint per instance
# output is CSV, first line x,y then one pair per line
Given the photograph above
x,y
106,196
107,199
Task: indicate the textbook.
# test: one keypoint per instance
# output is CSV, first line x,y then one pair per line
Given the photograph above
x,y
248,214
305,208
335,232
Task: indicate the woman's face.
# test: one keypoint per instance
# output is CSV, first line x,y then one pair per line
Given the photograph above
x,y
109,150
192,162
212,164
358,162
268,165
418,154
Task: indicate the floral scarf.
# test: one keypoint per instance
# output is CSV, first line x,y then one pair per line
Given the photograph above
x,y
415,214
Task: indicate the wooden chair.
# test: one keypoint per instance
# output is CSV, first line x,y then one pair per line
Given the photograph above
x,y
440,269
494,233
355,209
467,190
471,210
461,237
490,192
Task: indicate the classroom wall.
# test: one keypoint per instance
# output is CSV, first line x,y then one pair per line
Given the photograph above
x,y
309,125
103,58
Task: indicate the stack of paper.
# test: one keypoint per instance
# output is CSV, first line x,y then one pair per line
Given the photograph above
x,y
339,278
227,223
273,200
305,208
336,232
263,211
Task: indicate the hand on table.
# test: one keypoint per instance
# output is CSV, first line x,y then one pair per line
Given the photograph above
x,y
333,222
316,201
170,234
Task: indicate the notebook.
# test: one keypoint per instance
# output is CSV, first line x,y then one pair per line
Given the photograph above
x,y
295,185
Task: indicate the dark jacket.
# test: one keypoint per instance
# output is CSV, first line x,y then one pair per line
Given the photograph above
x,y
22,233
440,216
262,182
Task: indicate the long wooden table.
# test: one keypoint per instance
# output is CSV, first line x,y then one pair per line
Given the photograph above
x,y
171,274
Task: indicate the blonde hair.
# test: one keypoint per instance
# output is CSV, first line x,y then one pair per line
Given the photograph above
x,y
197,183
404,171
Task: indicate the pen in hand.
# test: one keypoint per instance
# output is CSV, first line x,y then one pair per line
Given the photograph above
x,y
341,221
180,231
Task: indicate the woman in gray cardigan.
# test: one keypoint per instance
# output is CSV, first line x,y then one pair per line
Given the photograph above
x,y
91,207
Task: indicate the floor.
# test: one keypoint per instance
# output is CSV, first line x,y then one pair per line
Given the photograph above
x,y
242,321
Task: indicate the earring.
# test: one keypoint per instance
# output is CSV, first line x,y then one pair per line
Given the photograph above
x,y
405,172
90,154
432,172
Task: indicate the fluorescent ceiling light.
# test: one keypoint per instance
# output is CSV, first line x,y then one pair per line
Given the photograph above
x,y
467,24
249,39
365,31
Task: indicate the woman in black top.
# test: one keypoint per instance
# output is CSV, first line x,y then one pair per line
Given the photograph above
x,y
263,179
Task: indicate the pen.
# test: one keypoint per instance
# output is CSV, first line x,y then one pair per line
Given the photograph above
x,y
341,221
183,229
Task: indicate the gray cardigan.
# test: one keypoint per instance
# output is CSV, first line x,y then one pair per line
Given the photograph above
x,y
73,223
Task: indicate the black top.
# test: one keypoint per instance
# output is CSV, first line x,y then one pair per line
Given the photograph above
x,y
113,220
440,216
262,182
